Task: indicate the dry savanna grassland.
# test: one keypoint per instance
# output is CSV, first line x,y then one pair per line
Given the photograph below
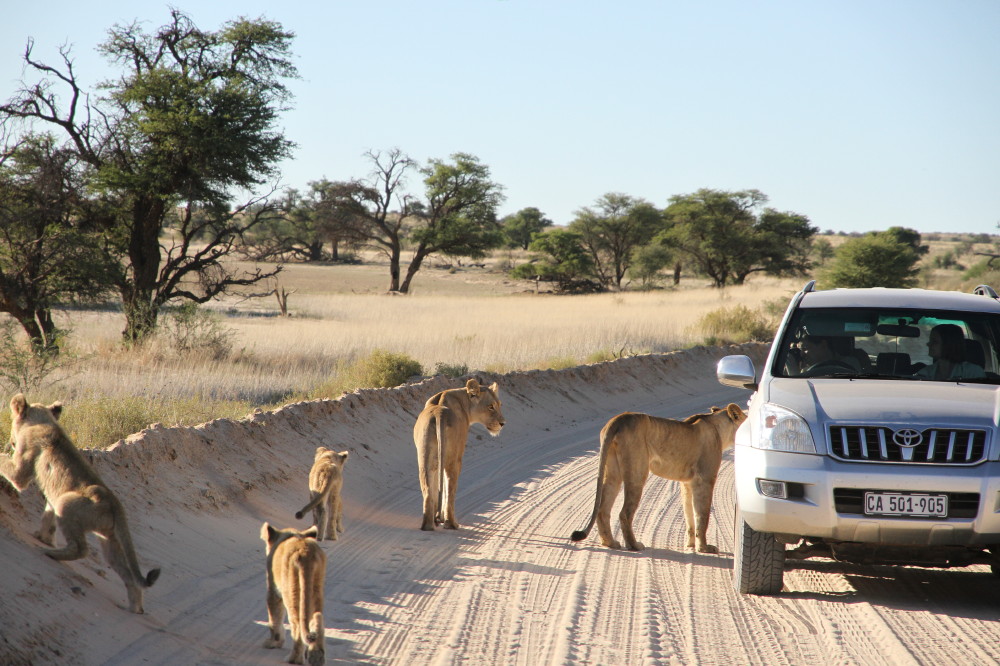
x,y
240,353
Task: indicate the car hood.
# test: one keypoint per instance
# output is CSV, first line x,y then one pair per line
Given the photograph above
x,y
889,402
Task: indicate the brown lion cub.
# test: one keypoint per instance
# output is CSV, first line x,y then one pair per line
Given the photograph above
x,y
326,478
76,498
296,569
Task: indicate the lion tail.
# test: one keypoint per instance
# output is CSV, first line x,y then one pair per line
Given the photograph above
x,y
124,537
315,629
439,423
313,503
608,434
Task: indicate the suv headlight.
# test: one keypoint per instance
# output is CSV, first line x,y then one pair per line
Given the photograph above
x,y
780,429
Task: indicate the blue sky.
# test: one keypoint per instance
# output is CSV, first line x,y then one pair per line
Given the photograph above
x,y
860,114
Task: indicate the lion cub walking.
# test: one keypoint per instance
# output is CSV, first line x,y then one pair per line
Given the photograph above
x,y
296,570
76,498
326,478
439,435
690,451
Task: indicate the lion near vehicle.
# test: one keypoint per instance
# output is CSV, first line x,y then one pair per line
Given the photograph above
x,y
633,445
440,434
77,500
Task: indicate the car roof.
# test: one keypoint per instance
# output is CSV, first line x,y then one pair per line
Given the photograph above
x,y
882,297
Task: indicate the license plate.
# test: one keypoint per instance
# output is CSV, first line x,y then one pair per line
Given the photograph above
x,y
905,504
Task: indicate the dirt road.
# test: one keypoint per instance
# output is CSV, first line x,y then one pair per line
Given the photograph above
x,y
508,588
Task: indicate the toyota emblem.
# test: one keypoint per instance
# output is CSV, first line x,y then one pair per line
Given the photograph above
x,y
907,438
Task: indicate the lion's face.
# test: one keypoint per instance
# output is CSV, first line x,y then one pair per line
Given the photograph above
x,y
488,409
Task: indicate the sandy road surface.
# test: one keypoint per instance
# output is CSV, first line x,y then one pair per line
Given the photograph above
x,y
509,588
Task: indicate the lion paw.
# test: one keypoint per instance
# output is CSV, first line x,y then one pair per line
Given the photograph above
x,y
272,643
636,546
708,548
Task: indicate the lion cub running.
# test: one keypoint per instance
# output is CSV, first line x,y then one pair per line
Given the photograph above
x,y
76,498
439,435
296,569
326,478
689,451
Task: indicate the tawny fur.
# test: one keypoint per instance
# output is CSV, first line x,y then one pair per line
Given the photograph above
x,y
634,445
440,434
77,500
296,570
326,479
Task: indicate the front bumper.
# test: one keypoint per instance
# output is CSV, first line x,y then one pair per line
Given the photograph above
x,y
815,514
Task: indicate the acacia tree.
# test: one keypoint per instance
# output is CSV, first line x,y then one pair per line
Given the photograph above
x,y
456,217
521,227
50,246
559,257
307,223
188,123
877,259
731,235
612,230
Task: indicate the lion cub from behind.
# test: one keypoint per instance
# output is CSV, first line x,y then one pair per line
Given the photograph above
x,y
296,569
76,498
326,478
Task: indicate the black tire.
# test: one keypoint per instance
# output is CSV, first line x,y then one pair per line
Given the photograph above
x,y
759,560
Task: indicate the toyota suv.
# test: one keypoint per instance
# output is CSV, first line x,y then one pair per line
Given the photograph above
x,y
872,434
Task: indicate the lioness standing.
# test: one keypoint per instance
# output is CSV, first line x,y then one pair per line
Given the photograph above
x,y
76,498
439,435
689,451
326,479
296,569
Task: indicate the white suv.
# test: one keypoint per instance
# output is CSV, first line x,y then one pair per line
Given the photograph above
x,y
872,434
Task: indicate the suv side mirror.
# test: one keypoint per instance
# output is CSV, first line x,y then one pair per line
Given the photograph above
x,y
738,371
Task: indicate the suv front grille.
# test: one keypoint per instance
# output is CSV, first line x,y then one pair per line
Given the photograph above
x,y
933,446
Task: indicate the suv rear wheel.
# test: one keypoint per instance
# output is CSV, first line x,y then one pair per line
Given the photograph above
x,y
759,560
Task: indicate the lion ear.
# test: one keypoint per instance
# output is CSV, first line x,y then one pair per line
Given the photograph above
x,y
472,387
267,532
18,404
56,409
735,413
495,388
343,455
310,533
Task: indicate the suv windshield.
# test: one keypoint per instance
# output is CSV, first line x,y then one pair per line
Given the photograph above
x,y
891,344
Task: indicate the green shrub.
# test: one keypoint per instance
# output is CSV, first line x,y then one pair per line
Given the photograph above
x,y
600,356
380,369
454,371
25,367
383,369
558,363
189,329
735,325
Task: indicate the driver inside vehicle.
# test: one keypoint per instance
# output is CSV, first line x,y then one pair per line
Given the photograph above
x,y
822,353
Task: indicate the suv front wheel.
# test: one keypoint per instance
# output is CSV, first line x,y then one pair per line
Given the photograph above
x,y
758,560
